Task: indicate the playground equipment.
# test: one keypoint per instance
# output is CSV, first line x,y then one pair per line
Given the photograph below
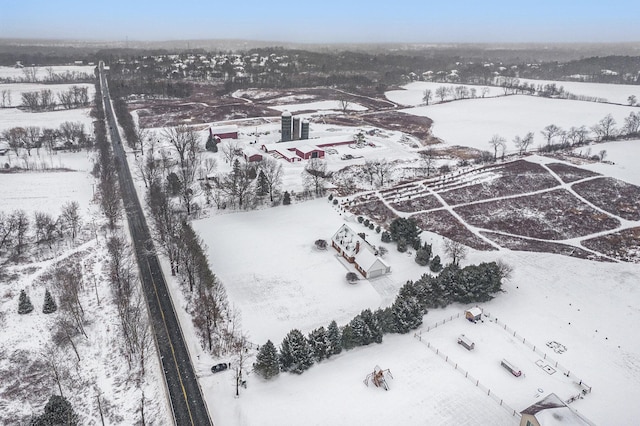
x,y
378,377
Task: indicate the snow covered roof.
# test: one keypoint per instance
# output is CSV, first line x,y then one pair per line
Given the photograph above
x,y
552,411
368,261
331,140
224,129
474,311
286,113
307,148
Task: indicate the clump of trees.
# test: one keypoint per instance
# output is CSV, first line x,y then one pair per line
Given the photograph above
x,y
57,411
404,232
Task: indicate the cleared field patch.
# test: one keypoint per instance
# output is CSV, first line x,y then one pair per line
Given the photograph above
x,y
374,209
444,223
540,374
612,195
623,245
553,215
426,202
513,178
570,173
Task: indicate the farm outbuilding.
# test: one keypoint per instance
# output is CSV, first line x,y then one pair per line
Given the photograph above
x,y
224,132
359,252
552,411
473,314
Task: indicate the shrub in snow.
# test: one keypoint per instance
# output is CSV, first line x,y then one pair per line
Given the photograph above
x,y
385,237
436,264
402,246
321,244
352,277
286,198
24,303
335,202
366,222
382,251
422,257
267,364
58,411
49,304
360,219
331,198
371,226
378,229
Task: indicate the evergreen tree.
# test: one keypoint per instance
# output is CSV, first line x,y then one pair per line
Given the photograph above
x,y
385,320
319,343
211,144
361,332
49,304
375,329
24,303
285,357
296,355
407,314
335,339
262,188
435,265
286,198
267,364
423,256
385,237
407,230
57,412
348,338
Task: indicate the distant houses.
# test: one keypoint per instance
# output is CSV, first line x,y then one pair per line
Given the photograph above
x,y
359,253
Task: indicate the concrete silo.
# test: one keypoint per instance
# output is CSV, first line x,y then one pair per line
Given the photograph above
x,y
286,126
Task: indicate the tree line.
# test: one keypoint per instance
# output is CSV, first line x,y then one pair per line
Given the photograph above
x,y
45,100
70,135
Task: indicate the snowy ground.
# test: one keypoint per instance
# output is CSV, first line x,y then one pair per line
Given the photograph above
x,y
413,93
319,106
26,382
42,72
624,155
473,122
13,117
616,93
17,89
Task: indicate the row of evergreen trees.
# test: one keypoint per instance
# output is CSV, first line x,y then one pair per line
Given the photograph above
x,y
297,353
25,306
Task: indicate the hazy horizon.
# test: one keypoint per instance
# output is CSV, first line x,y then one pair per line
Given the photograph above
x,y
492,21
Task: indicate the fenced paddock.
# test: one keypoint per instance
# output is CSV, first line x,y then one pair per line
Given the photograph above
x,y
494,341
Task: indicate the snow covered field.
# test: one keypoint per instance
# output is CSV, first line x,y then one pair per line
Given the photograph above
x,y
42,72
624,154
414,92
319,106
473,122
17,89
616,93
13,117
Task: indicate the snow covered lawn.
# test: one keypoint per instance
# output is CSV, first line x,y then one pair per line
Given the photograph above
x,y
42,72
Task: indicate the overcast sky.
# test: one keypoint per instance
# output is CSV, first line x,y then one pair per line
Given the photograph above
x,y
325,21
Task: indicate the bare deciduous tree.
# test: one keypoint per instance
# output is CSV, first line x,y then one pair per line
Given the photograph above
x,y
72,218
497,142
550,132
427,96
522,143
273,173
455,250
315,175
606,128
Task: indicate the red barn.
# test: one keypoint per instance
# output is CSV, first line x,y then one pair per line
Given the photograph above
x,y
307,152
224,132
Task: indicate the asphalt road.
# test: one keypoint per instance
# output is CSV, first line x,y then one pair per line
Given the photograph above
x,y
185,394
